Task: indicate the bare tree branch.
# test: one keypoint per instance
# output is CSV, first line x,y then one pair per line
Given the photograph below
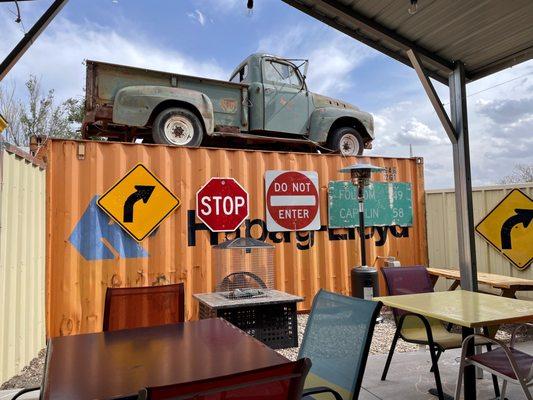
x,y
38,114
522,173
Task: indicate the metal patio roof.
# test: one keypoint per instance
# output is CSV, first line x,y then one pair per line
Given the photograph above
x,y
486,35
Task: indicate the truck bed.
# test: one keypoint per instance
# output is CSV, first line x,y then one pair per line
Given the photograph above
x,y
104,80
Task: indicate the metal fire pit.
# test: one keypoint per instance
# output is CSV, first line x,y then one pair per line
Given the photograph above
x,y
239,294
243,267
244,294
270,319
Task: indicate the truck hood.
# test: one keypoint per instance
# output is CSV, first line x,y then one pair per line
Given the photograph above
x,y
324,101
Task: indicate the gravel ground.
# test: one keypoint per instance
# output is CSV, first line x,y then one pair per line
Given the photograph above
x,y
31,375
383,334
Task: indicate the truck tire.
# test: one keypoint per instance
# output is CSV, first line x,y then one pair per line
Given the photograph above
x,y
178,127
346,141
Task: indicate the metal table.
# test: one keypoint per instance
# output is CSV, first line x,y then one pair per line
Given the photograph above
x,y
118,364
271,319
469,310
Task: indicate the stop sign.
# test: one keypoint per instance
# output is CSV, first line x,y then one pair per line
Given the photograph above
x,y
292,201
222,204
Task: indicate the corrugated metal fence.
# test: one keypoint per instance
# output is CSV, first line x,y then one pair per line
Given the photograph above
x,y
442,231
22,260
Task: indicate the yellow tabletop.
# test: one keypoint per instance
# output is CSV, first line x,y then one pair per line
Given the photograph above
x,y
464,308
494,280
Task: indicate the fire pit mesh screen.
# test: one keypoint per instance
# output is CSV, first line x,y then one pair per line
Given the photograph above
x,y
244,268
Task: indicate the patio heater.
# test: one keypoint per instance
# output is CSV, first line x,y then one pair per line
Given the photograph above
x,y
244,268
365,283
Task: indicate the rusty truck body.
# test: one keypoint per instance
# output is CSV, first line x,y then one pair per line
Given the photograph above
x,y
265,100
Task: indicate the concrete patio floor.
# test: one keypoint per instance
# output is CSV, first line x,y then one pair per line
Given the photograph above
x,y
408,379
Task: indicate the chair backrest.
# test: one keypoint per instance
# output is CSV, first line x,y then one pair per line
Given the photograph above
x,y
406,280
337,340
282,382
127,308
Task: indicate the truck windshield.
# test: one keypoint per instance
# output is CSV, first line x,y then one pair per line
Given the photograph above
x,y
281,73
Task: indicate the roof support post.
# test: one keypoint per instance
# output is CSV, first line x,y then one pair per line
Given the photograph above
x,y
28,39
433,96
463,180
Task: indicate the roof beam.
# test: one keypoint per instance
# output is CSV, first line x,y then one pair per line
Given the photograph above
x,y
502,63
433,96
398,56
30,37
387,34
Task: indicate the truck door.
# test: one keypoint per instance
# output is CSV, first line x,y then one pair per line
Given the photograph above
x,y
286,98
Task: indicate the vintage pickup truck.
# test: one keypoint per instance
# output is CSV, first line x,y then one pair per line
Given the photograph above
x,y
266,100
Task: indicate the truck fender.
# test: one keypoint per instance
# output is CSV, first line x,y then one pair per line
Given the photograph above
x,y
134,105
322,119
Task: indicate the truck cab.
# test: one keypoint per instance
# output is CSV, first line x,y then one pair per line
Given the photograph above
x,y
280,103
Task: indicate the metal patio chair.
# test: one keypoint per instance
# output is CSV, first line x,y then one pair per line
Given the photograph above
x,y
419,329
282,382
337,340
507,362
127,308
24,391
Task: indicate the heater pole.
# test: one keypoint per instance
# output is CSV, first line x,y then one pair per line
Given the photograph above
x,y
361,199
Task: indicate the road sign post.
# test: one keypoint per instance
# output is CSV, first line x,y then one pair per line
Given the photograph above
x,y
222,204
292,201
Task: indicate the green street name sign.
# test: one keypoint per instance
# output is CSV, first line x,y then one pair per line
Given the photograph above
x,y
386,204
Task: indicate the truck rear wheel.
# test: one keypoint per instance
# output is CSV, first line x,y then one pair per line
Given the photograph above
x,y
177,127
346,141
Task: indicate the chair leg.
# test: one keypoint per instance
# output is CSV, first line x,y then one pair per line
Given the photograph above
x,y
494,377
436,372
24,391
459,380
391,352
504,389
526,390
439,353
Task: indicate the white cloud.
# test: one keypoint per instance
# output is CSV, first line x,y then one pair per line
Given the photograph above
x,y
500,117
58,54
197,15
500,107
332,57
417,133
506,111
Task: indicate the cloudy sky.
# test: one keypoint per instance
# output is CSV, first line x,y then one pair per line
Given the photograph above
x,y
210,37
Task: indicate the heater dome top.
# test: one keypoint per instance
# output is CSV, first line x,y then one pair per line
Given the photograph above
x,y
243,243
362,167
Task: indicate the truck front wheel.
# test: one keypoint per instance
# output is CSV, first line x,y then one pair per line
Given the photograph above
x,y
346,141
177,127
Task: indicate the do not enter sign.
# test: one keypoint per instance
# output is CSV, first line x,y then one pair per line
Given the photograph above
x,y
292,201
222,204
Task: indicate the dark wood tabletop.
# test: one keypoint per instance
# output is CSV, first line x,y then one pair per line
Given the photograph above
x,y
118,364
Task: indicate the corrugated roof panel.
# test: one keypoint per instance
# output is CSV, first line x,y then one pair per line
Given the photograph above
x,y
485,35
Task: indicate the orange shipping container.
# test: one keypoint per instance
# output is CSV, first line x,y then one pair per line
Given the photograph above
x,y
87,253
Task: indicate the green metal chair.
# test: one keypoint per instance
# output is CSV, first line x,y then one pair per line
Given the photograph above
x,y
337,340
